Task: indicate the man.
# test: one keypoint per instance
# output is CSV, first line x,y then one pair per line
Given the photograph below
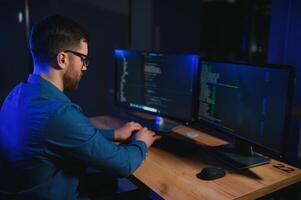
x,y
46,142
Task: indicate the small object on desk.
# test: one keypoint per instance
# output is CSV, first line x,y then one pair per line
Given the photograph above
x,y
192,134
211,173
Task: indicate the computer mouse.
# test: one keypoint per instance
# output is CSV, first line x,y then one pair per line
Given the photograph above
x,y
211,173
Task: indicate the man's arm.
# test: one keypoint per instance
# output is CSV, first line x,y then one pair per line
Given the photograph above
x,y
70,135
107,133
121,134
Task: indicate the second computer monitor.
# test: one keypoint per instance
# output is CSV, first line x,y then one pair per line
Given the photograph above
x,y
249,102
159,83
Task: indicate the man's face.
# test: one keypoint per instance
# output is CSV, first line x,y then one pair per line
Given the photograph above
x,y
75,68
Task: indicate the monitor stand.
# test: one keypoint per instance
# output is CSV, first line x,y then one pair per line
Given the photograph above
x,y
161,125
240,155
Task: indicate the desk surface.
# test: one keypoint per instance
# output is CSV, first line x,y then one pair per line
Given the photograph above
x,y
173,176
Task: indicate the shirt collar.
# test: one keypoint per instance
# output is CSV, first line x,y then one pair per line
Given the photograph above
x,y
47,87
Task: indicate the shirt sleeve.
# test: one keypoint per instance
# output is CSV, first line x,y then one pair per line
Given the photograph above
x,y
107,133
70,135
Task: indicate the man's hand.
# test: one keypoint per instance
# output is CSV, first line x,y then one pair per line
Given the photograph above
x,y
124,132
147,136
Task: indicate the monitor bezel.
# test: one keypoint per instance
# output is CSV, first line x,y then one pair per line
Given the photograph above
x,y
129,108
286,129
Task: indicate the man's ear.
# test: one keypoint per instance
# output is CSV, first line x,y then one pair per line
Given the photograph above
x,y
62,60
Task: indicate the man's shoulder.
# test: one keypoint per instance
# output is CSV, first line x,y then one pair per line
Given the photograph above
x,y
64,107
53,106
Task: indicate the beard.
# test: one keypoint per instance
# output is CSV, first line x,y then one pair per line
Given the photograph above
x,y
71,79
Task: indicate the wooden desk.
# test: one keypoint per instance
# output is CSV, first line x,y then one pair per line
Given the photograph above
x,y
173,176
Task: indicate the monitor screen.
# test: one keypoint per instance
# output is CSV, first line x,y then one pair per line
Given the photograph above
x,y
159,83
249,102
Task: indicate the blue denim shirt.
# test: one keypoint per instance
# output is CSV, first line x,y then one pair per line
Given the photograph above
x,y
46,142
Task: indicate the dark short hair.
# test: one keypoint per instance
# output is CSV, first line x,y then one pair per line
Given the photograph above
x,y
54,34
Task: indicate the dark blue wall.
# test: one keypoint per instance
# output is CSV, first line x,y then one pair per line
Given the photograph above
x,y
285,48
285,38
14,52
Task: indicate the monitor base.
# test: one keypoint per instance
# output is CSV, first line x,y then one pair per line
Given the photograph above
x,y
238,159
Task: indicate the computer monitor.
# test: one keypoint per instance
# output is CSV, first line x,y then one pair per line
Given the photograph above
x,y
159,83
250,103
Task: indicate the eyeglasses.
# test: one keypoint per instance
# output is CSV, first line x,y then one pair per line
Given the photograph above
x,y
85,59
